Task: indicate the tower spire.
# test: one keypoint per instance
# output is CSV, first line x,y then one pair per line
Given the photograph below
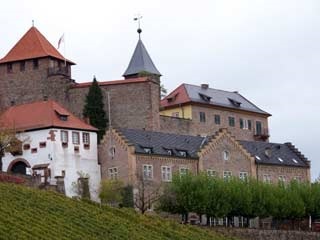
x,y
139,30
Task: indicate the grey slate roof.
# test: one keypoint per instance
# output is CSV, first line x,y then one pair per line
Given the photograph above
x,y
278,151
221,98
161,142
141,62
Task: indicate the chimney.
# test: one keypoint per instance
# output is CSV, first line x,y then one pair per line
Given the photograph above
x,y
204,86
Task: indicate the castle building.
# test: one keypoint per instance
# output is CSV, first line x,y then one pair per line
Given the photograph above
x,y
194,128
209,110
55,145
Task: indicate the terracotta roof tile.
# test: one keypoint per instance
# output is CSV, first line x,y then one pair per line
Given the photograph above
x,y
32,45
42,114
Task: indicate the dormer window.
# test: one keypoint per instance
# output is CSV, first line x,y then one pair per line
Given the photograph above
x,y
204,97
182,153
172,98
169,151
234,102
63,117
147,150
267,152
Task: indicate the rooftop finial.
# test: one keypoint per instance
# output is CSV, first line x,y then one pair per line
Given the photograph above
x,y
32,23
138,18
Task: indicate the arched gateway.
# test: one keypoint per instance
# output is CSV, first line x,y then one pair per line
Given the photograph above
x,y
19,166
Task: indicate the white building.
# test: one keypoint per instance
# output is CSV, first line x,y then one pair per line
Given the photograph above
x,y
55,144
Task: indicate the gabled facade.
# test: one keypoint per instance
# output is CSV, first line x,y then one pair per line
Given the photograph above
x,y
56,146
209,110
126,153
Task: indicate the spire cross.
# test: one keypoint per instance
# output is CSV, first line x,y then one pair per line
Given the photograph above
x,y
32,23
138,18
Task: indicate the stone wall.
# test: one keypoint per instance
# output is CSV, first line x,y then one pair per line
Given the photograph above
x,y
290,173
255,234
29,85
175,125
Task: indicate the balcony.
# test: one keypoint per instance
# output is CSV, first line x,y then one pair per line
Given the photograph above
x,y
58,71
261,134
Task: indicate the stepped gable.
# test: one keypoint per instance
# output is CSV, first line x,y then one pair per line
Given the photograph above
x,y
40,115
141,62
188,93
274,154
160,143
32,45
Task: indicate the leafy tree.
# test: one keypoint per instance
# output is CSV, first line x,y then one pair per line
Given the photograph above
x,y
94,109
127,197
315,196
111,192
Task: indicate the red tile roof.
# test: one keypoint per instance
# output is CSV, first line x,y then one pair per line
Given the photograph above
x,y
113,82
176,97
32,45
42,114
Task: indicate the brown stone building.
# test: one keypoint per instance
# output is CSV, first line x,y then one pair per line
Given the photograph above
x,y
34,70
126,153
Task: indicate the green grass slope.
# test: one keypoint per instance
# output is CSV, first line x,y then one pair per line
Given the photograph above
x,y
33,214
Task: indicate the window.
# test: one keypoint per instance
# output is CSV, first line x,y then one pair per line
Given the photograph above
x,y
169,151
249,125
166,173
113,173
227,175
258,128
202,116
243,176
22,66
26,146
75,138
175,114
35,64
147,172
112,151
64,136
182,153
297,178
42,144
217,119
231,122
34,150
63,117
211,173
226,155
76,149
86,138
9,68
147,150
282,178
184,171
294,160
258,158
280,159
267,178
245,124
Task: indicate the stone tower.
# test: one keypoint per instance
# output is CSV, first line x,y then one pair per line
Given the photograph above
x,y
34,70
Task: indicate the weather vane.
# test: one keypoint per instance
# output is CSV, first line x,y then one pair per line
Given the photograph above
x,y
138,18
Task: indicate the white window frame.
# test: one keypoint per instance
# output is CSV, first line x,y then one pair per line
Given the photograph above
x,y
86,138
267,178
243,176
166,173
76,138
147,171
226,155
282,178
211,173
227,175
113,173
183,171
64,136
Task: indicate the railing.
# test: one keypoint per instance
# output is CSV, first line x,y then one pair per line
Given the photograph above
x,y
263,134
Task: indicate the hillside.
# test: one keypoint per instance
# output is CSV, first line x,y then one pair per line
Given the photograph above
x,y
33,214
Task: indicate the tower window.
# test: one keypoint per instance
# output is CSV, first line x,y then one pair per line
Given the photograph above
x,y
9,68
202,117
22,66
231,121
35,64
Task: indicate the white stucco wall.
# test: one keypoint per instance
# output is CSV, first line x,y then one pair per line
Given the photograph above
x,y
62,158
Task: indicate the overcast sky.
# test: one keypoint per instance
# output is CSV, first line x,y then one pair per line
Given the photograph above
x,y
268,50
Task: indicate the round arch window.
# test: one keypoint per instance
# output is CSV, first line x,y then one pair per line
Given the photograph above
x,y
226,155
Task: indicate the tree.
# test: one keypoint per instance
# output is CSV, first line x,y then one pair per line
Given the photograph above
x,y
94,109
146,193
111,192
8,143
163,91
